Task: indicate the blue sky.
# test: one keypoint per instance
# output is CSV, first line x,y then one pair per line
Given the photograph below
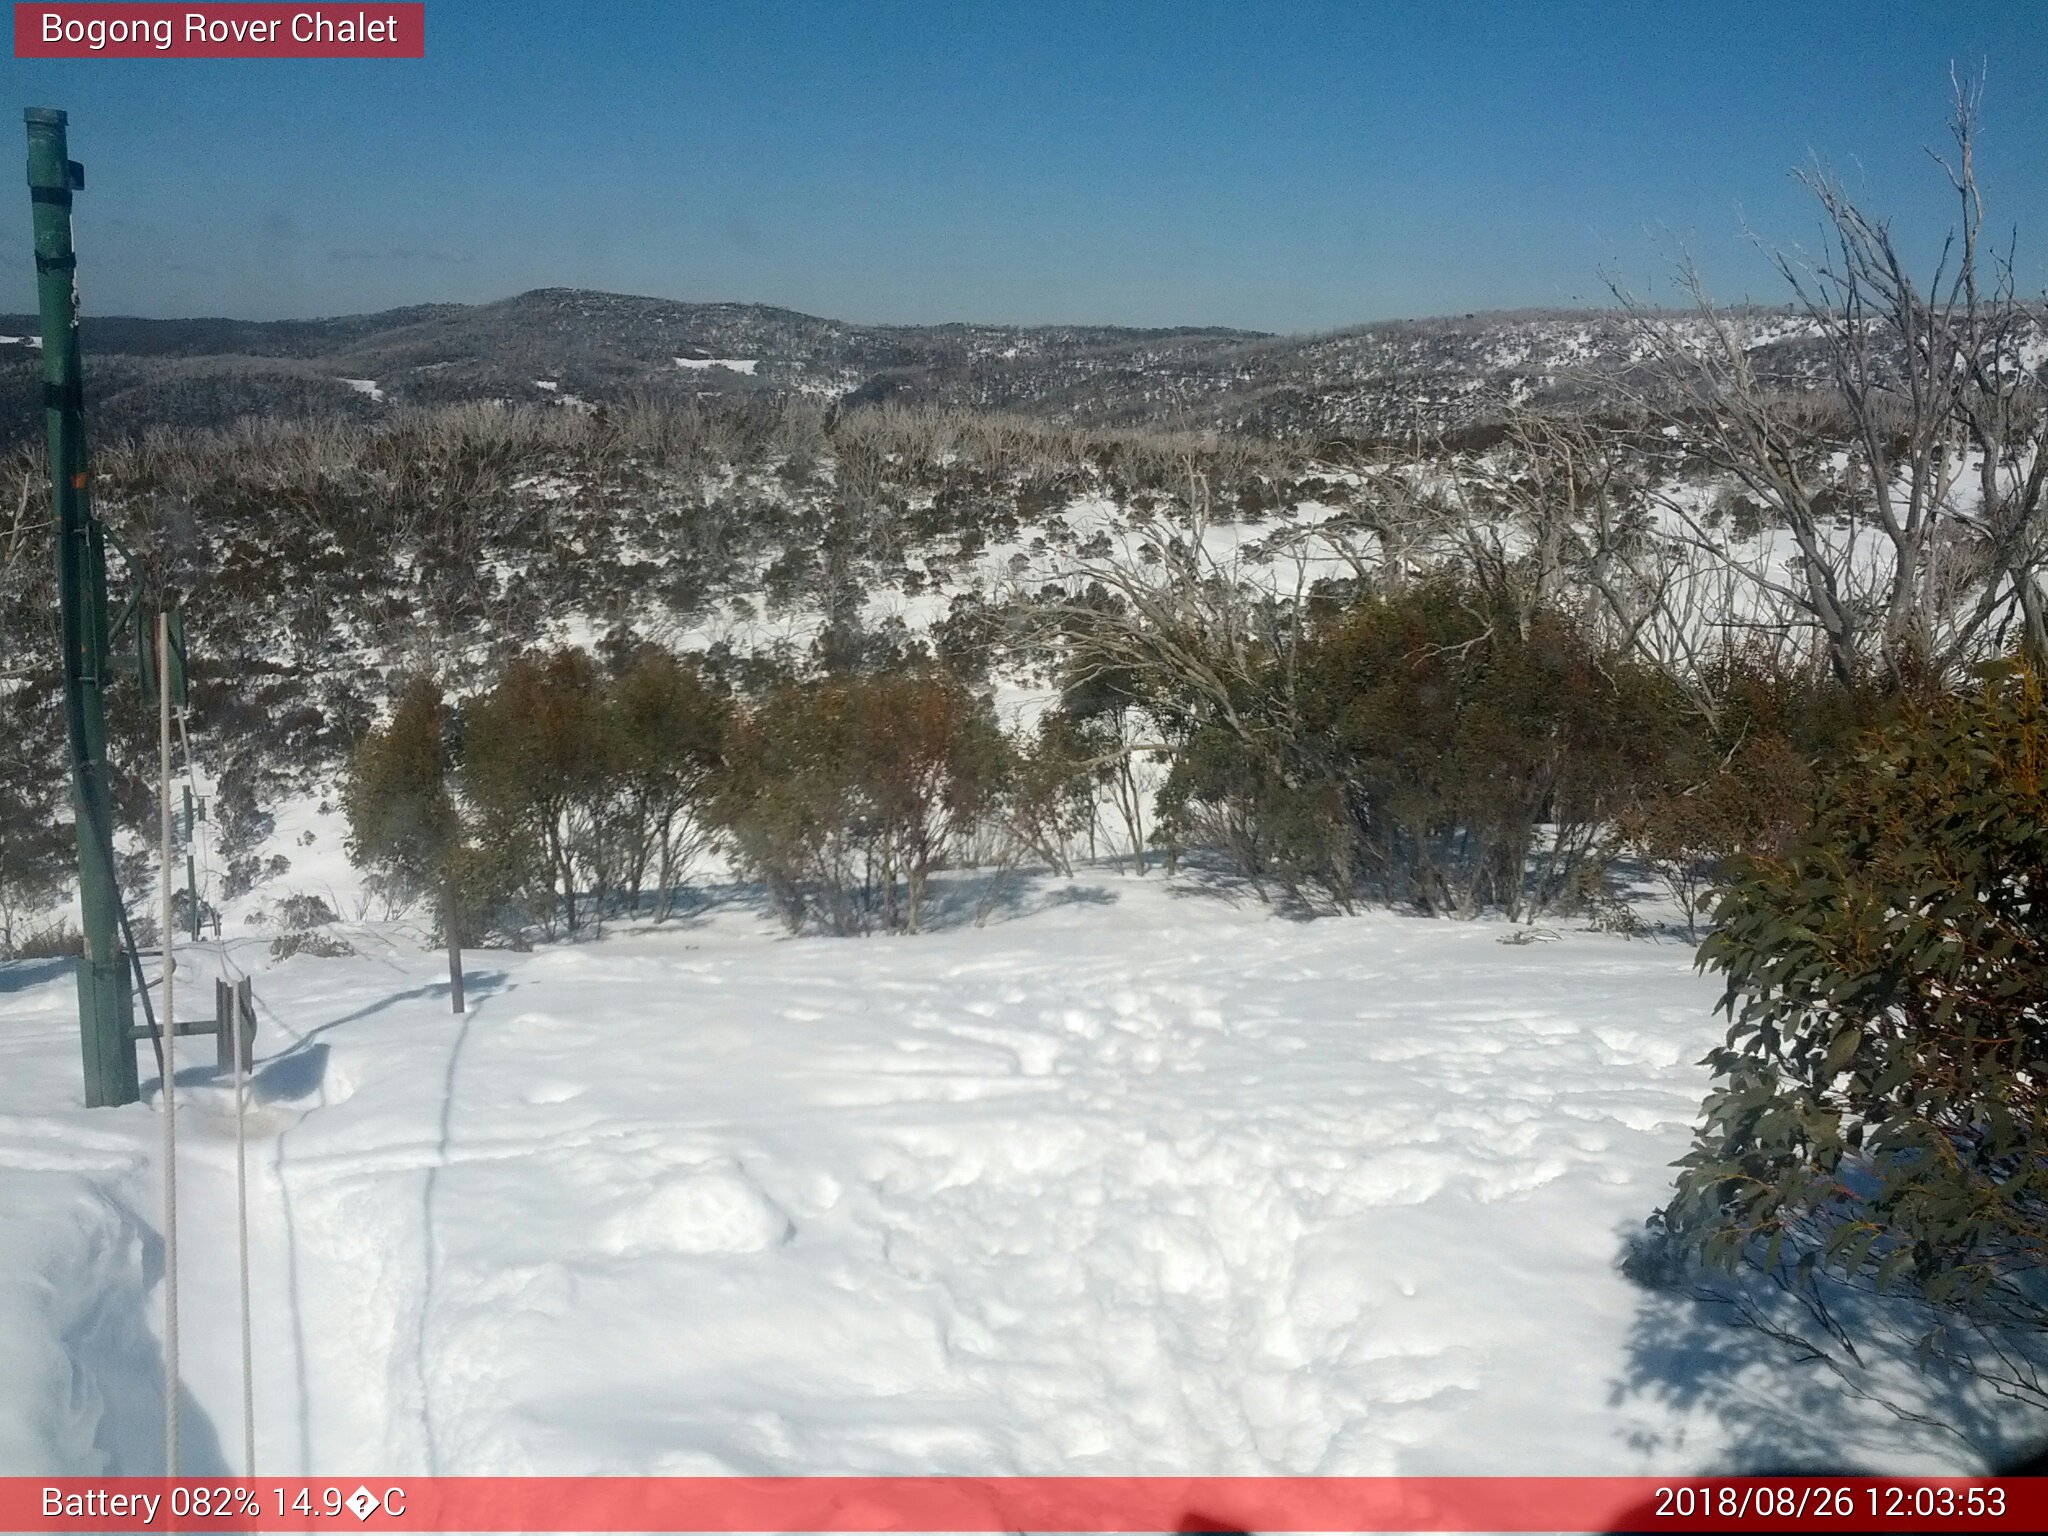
x,y
1288,166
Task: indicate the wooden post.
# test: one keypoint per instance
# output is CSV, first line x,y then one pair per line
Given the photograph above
x,y
234,1013
451,918
245,1024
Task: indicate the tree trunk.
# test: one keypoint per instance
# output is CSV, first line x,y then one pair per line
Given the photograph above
x,y
563,869
664,900
1132,807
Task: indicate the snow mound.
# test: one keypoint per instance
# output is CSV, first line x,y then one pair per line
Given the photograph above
x,y
83,1374
715,1209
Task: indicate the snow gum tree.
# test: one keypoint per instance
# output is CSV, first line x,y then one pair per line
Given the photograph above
x,y
35,841
845,794
667,726
539,762
34,862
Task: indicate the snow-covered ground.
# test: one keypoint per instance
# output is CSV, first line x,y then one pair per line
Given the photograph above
x,y
1136,1177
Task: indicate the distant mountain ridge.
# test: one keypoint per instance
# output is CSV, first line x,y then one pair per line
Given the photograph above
x,y
579,347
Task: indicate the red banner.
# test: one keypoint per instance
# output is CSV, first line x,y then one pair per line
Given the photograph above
x,y
1045,1504
103,31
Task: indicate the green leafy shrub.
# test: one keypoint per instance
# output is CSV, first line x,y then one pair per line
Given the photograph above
x,y
667,725
540,760
845,794
1049,785
1742,780
1879,1105
403,821
1428,746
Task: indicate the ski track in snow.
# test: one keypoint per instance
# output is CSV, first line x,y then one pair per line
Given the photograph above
x,y
1137,1181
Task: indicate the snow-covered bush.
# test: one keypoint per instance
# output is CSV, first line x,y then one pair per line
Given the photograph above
x,y
305,927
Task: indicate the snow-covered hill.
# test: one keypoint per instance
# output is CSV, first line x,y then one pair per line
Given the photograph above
x,y
1385,380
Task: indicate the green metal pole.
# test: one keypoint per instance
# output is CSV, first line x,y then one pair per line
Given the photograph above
x,y
105,1006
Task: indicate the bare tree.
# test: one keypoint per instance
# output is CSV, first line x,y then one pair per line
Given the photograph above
x,y
1918,542
15,548
1563,515
1180,622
